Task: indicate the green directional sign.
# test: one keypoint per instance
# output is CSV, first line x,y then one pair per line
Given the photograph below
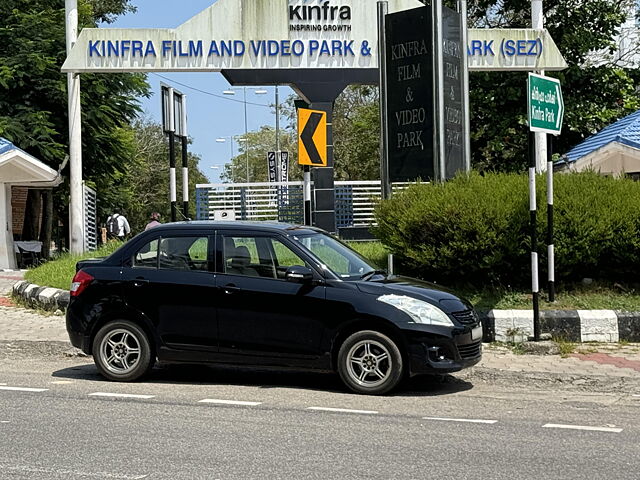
x,y
545,104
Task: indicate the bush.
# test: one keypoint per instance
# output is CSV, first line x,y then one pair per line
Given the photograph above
x,y
475,229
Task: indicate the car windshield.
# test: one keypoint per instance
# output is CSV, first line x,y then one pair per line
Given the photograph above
x,y
336,256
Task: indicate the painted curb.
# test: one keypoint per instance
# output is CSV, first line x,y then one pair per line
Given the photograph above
x,y
45,298
571,325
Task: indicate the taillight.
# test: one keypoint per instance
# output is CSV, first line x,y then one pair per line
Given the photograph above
x,y
81,281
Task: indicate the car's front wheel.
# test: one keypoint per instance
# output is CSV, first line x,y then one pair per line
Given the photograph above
x,y
370,363
122,352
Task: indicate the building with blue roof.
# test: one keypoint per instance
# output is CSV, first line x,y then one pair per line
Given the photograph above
x,y
18,169
615,150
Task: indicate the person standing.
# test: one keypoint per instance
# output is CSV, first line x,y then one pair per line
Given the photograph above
x,y
118,226
155,221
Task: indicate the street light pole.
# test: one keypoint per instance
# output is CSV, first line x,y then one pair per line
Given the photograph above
x,y
277,120
246,132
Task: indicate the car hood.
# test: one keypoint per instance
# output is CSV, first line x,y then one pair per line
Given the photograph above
x,y
412,287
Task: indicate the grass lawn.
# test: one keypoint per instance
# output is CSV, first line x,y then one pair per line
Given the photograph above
x,y
59,272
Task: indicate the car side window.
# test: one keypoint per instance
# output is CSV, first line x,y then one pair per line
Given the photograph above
x,y
284,258
265,257
147,256
240,256
183,253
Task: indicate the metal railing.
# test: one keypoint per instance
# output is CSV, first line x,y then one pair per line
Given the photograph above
x,y
90,212
355,201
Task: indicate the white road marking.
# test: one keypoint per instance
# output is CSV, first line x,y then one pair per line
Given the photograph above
x,y
61,382
229,402
2,383
635,395
69,473
4,421
119,395
343,410
582,427
463,420
23,389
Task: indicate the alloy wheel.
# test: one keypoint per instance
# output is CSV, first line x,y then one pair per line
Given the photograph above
x,y
369,363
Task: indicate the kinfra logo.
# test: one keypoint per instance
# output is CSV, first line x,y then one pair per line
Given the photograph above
x,y
324,12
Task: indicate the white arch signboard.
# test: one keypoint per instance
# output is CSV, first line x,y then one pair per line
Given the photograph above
x,y
287,34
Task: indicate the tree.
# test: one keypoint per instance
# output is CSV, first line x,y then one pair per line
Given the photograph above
x,y
33,95
254,153
595,94
146,182
356,132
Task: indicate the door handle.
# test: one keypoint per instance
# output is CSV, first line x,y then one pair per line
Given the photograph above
x,y
139,282
230,289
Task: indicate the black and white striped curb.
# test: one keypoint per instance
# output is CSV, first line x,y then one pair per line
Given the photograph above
x,y
570,325
499,325
46,298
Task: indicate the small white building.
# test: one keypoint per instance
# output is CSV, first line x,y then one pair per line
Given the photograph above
x,y
18,168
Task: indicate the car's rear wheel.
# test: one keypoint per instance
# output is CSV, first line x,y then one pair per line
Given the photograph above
x,y
122,352
370,362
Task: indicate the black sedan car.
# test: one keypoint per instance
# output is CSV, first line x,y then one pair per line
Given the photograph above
x,y
264,294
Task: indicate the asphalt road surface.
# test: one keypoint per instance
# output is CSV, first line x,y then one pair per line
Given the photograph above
x,y
60,420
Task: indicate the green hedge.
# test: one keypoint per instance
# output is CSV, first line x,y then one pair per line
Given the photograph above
x,y
475,229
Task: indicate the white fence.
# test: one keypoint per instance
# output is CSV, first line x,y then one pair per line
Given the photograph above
x,y
355,201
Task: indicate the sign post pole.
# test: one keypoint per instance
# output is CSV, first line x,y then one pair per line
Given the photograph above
x,y
466,135
545,113
172,155
550,247
185,157
385,184
534,237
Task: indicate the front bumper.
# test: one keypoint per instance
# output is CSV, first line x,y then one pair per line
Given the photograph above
x,y
445,352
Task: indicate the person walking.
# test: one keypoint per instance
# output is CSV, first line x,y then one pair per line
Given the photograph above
x,y
155,221
118,226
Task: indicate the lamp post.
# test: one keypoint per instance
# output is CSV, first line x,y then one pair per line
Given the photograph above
x,y
257,91
224,139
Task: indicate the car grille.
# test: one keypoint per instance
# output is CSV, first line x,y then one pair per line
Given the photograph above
x,y
470,350
467,317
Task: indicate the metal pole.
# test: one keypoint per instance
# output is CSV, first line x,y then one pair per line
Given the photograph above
x,y
185,161
277,120
384,134
172,156
307,194
534,239
537,22
76,202
246,132
439,88
462,5
550,246
385,182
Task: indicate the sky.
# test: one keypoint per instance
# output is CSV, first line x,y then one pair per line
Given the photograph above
x,y
211,114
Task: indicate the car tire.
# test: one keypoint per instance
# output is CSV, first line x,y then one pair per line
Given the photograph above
x,y
122,352
370,363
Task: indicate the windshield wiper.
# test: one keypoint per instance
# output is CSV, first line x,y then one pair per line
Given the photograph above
x,y
368,275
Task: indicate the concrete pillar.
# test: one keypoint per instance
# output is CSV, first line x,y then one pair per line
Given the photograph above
x,y
7,254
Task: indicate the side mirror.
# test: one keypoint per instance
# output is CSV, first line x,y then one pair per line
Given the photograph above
x,y
299,274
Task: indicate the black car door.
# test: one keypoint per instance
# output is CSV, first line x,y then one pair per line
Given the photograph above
x,y
260,314
171,282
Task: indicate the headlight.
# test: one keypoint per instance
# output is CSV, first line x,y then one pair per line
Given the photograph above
x,y
421,312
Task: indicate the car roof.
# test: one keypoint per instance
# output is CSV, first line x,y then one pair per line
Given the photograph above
x,y
287,228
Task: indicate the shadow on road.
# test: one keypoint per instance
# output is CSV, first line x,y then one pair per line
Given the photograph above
x,y
266,378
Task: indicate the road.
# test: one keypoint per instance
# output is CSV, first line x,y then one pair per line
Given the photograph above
x,y
60,420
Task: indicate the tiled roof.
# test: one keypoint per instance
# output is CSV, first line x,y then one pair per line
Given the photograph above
x,y
6,145
625,131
